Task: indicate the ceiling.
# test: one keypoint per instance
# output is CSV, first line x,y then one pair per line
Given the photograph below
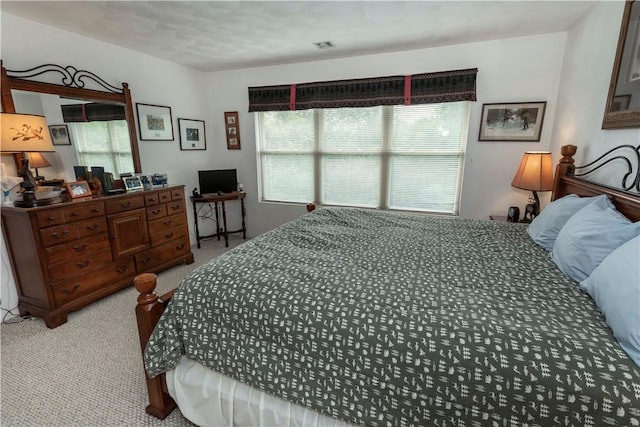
x,y
224,35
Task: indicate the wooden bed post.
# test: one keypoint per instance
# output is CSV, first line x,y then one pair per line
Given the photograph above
x,y
565,166
148,311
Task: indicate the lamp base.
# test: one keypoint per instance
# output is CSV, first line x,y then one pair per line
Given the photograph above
x,y
532,209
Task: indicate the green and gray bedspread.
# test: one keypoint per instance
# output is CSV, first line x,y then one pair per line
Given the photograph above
x,y
390,319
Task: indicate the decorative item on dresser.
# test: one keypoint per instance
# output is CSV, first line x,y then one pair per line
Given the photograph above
x,y
71,254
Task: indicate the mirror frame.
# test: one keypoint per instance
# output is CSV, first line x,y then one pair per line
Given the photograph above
x,y
629,118
72,87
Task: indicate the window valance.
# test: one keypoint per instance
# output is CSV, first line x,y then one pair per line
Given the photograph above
x,y
445,86
92,112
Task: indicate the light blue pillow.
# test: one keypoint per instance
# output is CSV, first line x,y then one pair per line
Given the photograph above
x,y
615,287
589,236
545,227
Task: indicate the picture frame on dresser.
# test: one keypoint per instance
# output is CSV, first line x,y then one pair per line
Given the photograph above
x,y
78,190
133,183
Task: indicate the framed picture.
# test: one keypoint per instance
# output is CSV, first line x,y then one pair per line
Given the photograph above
x,y
133,183
620,102
154,122
232,130
78,189
59,134
192,134
512,121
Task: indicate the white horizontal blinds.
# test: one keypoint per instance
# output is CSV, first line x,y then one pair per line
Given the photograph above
x,y
287,155
426,154
103,143
350,147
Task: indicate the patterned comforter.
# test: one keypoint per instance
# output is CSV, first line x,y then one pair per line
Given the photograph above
x,y
400,320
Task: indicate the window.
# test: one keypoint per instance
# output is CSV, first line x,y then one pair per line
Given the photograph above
x,y
386,157
103,143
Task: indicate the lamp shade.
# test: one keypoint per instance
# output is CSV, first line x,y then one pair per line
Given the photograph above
x,y
24,132
38,160
535,172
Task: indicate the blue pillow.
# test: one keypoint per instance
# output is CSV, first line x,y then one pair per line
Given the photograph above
x,y
545,227
615,287
589,236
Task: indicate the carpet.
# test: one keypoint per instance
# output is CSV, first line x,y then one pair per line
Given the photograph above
x,y
89,371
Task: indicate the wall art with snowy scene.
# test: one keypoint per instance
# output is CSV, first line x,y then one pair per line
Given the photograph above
x,y
513,121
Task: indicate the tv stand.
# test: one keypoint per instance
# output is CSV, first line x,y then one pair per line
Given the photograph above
x,y
215,199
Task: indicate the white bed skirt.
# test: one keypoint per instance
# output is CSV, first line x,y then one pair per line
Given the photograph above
x,y
208,398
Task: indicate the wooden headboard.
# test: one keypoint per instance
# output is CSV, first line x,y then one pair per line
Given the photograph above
x,y
565,182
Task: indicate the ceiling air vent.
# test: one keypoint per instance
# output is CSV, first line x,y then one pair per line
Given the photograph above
x,y
324,45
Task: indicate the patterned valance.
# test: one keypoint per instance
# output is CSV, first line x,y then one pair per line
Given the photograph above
x,y
445,86
92,112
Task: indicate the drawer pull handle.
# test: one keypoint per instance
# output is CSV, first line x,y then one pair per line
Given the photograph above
x,y
81,247
56,235
125,205
83,264
93,227
76,213
75,288
51,218
122,268
156,211
95,210
168,222
175,207
179,248
145,260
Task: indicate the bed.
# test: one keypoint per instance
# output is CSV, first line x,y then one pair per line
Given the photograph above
x,y
360,317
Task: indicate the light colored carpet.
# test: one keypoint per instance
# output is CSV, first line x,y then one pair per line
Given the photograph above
x,y
87,372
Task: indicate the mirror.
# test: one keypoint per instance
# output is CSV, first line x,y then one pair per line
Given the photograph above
x,y
623,103
72,91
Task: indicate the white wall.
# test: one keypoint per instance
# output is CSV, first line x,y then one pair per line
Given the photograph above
x,y
510,70
584,87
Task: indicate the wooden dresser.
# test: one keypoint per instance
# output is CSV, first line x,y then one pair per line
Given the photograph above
x,y
68,255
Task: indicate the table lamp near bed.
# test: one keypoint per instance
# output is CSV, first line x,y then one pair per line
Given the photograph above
x,y
24,133
535,173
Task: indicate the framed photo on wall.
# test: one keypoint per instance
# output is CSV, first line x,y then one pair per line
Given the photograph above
x,y
232,130
154,122
59,134
192,134
512,121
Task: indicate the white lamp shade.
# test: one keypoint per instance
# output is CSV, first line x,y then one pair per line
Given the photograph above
x,y
24,132
535,172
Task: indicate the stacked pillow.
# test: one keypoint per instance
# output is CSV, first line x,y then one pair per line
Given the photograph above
x,y
594,244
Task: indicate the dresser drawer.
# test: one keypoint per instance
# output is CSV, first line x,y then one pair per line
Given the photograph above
x,y
50,217
92,226
148,260
83,211
115,206
167,235
177,194
164,196
83,264
157,211
60,234
162,224
77,248
175,207
72,289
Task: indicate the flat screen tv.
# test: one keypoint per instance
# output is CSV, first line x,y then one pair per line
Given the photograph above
x,y
220,180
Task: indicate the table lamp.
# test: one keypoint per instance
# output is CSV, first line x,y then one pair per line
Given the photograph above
x,y
535,173
24,133
38,160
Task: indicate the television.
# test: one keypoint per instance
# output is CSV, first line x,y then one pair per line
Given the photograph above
x,y
220,180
